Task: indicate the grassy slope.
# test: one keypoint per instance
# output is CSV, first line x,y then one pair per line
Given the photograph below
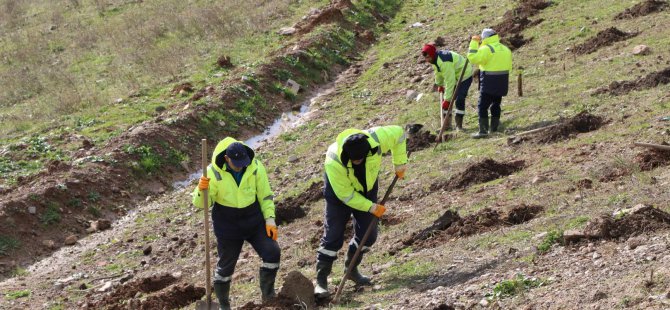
x,y
406,278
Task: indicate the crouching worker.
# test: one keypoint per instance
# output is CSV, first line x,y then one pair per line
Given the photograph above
x,y
242,209
352,167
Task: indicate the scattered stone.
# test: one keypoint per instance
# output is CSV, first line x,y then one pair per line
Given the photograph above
x,y
105,287
641,50
573,235
598,296
49,244
596,255
147,250
411,95
417,25
538,179
32,210
484,302
286,31
292,159
71,240
293,86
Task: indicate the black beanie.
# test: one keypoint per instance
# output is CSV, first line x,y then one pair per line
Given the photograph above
x,y
356,146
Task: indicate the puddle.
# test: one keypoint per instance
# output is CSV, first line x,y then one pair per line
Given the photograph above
x,y
286,122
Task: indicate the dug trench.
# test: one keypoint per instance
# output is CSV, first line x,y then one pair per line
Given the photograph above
x,y
451,225
581,123
619,88
642,9
77,191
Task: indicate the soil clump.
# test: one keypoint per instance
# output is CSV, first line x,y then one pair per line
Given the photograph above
x,y
604,38
624,224
516,20
618,88
479,172
653,158
642,9
290,209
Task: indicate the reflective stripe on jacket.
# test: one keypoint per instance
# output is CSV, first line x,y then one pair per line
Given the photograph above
x,y
495,65
448,67
224,191
346,186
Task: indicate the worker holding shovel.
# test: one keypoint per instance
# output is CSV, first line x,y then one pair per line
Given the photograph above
x,y
495,64
242,209
448,66
351,170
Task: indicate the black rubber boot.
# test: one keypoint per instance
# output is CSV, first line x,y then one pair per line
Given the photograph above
x,y
356,276
266,279
483,128
459,121
323,269
495,122
222,291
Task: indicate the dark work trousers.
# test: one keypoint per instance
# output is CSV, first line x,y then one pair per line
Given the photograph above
x,y
232,227
461,94
337,216
486,101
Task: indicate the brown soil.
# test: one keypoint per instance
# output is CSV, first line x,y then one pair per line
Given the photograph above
x,y
479,172
181,88
126,292
175,297
618,88
444,307
516,20
604,38
643,9
292,208
450,225
328,15
642,221
224,62
580,123
419,139
298,288
279,303
653,158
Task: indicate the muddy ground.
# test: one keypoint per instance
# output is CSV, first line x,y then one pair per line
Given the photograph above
x,y
619,88
292,208
642,9
603,38
516,20
653,158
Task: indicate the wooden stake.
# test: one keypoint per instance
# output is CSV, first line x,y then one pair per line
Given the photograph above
x,y
519,82
653,146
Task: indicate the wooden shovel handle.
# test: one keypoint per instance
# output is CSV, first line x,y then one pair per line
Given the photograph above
x,y
205,196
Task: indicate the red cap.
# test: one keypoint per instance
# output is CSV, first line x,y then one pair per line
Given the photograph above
x,y
429,50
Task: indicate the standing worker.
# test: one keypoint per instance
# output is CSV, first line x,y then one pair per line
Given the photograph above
x,y
448,66
351,170
242,209
495,64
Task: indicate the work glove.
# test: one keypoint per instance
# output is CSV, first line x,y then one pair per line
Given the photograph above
x,y
440,89
477,38
377,210
271,228
445,105
203,184
400,171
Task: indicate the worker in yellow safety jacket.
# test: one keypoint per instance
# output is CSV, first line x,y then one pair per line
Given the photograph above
x,y
242,209
350,189
495,65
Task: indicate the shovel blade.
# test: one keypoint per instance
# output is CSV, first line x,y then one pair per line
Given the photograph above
x,y
202,305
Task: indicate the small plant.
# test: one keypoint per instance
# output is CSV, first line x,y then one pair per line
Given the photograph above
x,y
94,211
75,203
514,286
17,294
289,136
19,272
93,196
149,159
51,215
552,237
7,244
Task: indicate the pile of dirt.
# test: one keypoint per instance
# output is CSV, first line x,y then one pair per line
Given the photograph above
x,y
160,298
279,303
604,38
420,140
479,172
580,123
618,88
450,225
328,15
629,223
653,158
290,209
517,19
296,293
642,9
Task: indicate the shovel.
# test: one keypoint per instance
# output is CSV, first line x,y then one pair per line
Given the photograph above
x,y
446,120
365,238
208,304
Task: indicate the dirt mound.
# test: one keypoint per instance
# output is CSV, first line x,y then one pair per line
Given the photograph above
x,y
326,16
628,223
291,208
516,20
479,172
420,140
651,80
298,288
175,297
653,158
642,9
126,292
604,38
450,225
279,303
580,123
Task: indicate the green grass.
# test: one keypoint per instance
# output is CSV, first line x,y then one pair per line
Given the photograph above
x,y
51,215
513,287
17,294
7,244
550,239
